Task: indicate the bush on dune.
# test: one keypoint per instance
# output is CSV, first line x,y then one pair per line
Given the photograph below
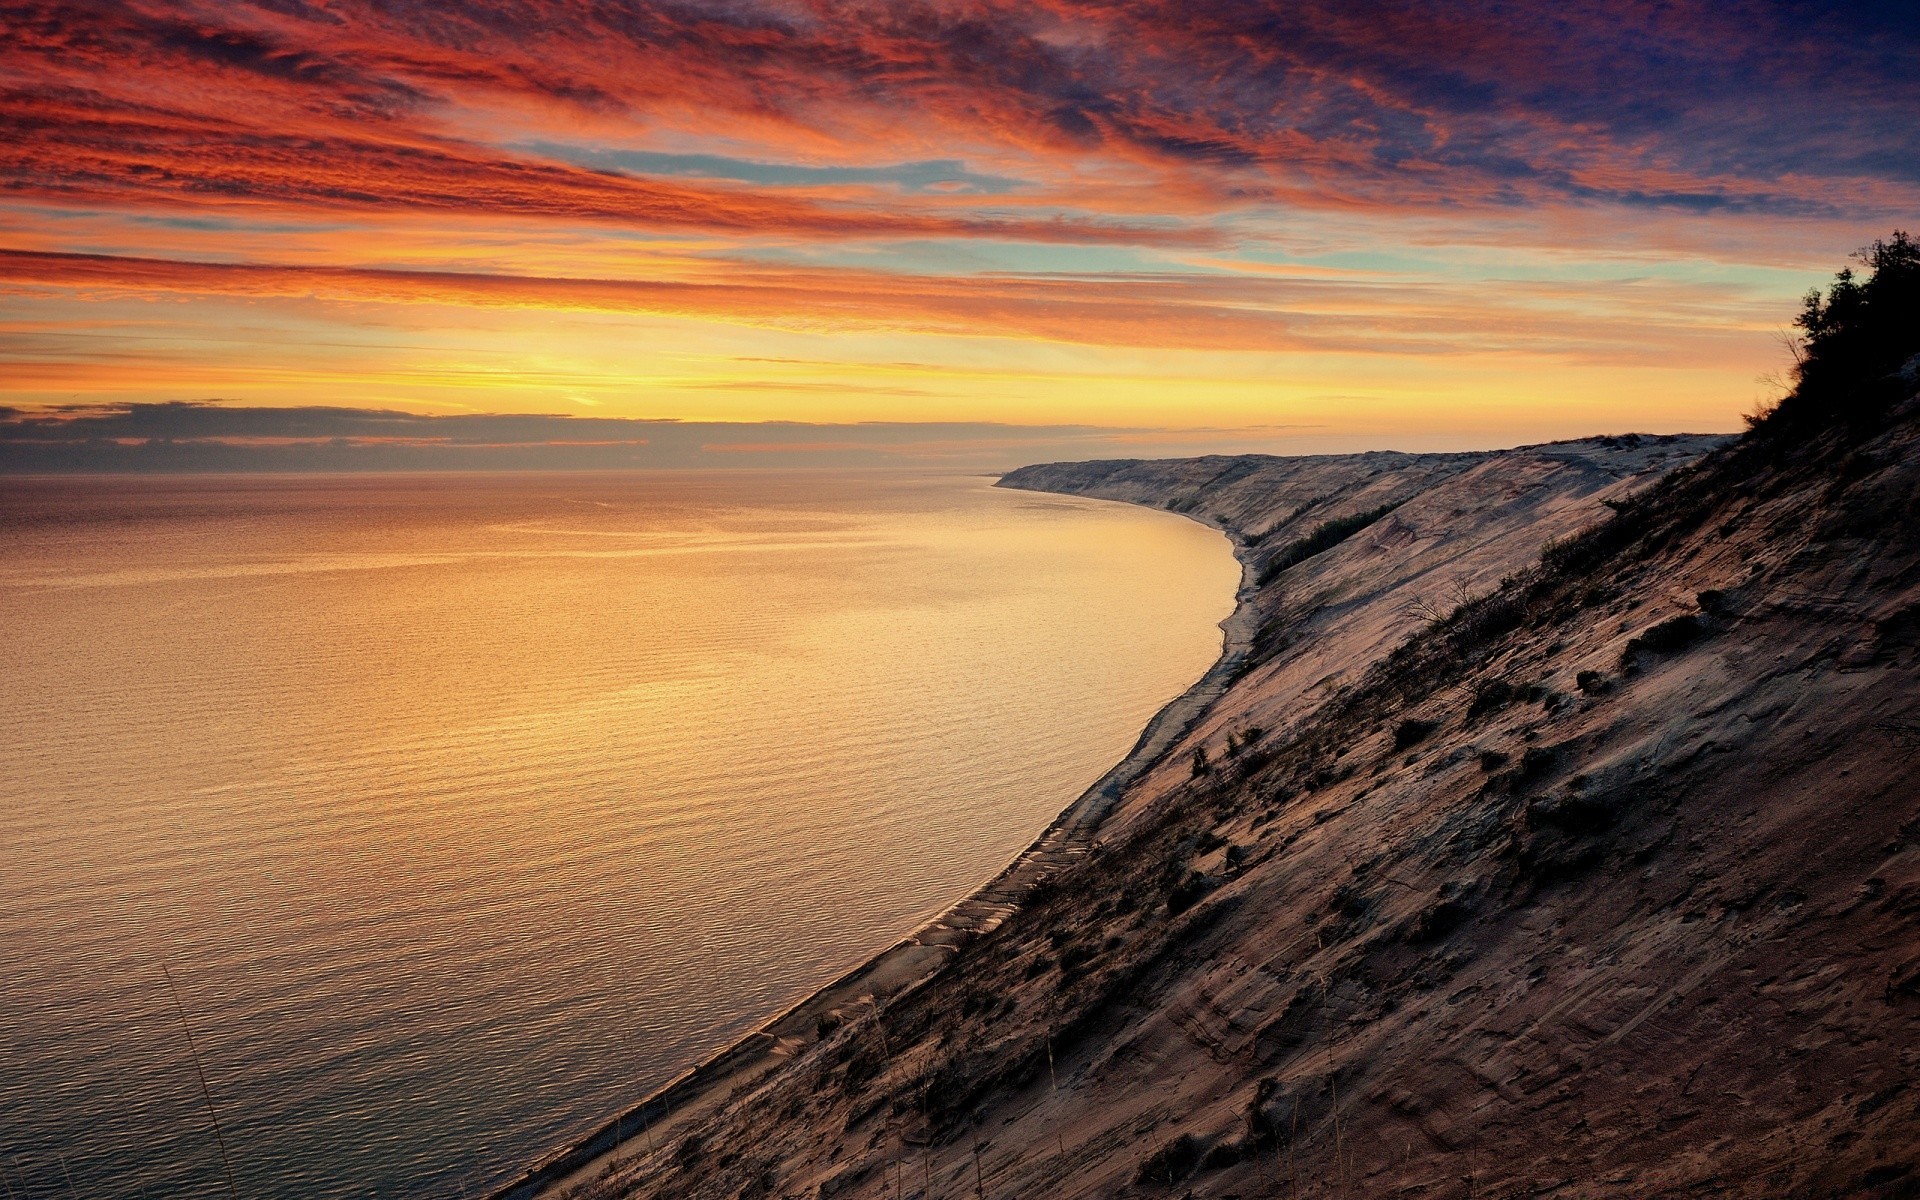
x,y
1855,342
1324,537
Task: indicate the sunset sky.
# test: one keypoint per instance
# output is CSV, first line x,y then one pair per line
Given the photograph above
x,y
1191,225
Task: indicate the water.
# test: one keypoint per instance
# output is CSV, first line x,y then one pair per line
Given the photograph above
x,y
466,809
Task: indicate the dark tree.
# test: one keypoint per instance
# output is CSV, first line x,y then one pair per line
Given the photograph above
x,y
1856,340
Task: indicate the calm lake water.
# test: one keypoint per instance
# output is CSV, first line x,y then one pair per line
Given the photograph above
x,y
465,810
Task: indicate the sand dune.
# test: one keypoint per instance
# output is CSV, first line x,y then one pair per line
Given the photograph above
x,y
1497,872
1390,919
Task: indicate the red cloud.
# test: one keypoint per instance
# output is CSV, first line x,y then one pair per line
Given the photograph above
x,y
346,104
66,148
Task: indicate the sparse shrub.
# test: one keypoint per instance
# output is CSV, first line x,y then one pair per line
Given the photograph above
x,y
1325,536
1188,892
1667,637
1244,740
690,1150
1675,634
1221,1156
1350,900
1491,695
1438,919
863,1064
1172,1162
1480,620
1411,732
1493,760
1201,766
765,1183
1263,1123
1593,683
1074,958
1574,813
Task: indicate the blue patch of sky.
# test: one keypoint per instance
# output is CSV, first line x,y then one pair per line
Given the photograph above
x,y
1466,263
931,176
231,225
971,256
207,224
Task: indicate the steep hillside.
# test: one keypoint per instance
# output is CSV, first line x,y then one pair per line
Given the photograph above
x,y
1585,872
1456,522
1605,885
1349,554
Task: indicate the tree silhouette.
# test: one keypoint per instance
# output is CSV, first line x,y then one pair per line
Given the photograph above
x,y
1858,342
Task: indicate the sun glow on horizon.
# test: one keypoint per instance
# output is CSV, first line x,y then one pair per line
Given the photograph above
x,y
1015,215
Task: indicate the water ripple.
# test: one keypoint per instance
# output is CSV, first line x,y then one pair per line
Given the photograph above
x,y
464,814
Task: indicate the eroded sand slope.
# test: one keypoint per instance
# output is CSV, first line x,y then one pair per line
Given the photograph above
x,y
1602,882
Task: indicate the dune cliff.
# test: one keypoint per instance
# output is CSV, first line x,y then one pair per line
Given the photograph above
x,y
1552,830
1548,827
1555,834
1491,872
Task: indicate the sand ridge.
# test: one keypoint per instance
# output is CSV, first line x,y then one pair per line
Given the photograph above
x,y
1556,489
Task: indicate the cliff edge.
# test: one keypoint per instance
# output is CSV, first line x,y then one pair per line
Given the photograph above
x,y
1556,835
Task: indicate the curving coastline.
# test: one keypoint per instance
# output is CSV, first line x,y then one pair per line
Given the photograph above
x,y
1559,852
910,963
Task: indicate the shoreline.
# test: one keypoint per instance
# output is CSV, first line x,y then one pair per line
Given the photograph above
x,y
904,966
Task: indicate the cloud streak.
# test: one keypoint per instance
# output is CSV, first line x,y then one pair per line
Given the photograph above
x,y
1390,178
183,437
1207,311
348,104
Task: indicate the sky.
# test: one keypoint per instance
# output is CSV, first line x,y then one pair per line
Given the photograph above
x,y
1124,225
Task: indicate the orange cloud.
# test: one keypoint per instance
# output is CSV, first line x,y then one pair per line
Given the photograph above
x,y
1214,311
1110,183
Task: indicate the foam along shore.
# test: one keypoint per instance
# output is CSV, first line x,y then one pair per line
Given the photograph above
x,y
683,1103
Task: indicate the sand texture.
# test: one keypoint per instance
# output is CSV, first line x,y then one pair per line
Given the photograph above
x,y
1587,875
